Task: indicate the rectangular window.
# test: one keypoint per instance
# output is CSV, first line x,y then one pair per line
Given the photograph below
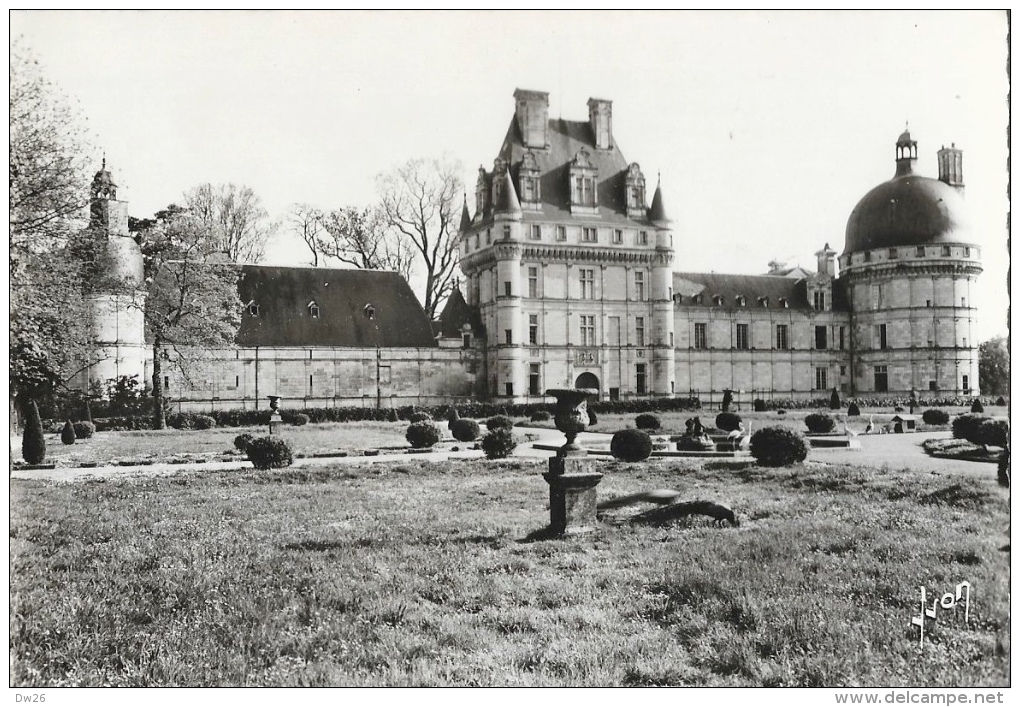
x,y
881,379
867,256
587,283
534,380
743,338
587,330
618,236
536,232
466,340
639,285
488,236
920,251
561,233
310,383
589,235
506,232
532,281
642,379
963,301
584,191
821,338
966,384
506,288
237,381
966,252
893,254
642,238
509,387
932,385
509,335
166,382
821,379
946,251
842,370
670,339
533,328
819,301
639,331
842,338
782,336
701,335
881,340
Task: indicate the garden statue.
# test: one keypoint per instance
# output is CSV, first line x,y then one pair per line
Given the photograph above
x,y
274,412
695,439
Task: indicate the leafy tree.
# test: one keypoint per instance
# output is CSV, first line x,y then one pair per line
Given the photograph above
x,y
50,327
236,214
192,301
993,366
419,202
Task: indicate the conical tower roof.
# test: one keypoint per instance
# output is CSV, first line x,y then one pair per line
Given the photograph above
x,y
508,201
657,214
465,217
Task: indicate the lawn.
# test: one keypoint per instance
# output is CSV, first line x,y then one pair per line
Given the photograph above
x,y
436,574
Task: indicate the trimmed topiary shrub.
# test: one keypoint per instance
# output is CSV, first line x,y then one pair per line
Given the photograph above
x,y
1000,400
852,410
1004,468
451,417
300,419
84,430
593,419
647,421
967,426
820,422
499,443
203,422
935,416
499,422
465,430
780,411
67,434
834,401
976,406
33,443
759,405
242,441
423,434
269,452
631,445
727,400
392,416
420,416
541,416
727,421
778,446
994,432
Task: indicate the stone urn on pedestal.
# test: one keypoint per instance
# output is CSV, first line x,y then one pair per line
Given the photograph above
x,y
274,412
572,477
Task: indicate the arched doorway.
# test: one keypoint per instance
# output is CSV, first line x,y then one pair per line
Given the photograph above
x,y
587,380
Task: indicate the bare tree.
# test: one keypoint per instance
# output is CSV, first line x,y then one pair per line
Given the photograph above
x,y
236,212
360,237
419,203
192,302
306,221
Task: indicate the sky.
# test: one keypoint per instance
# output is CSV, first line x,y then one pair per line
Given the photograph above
x,y
765,128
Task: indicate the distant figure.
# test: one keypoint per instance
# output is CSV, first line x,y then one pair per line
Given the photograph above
x,y
871,425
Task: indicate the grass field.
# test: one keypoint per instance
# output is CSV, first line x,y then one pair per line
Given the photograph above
x,y
435,574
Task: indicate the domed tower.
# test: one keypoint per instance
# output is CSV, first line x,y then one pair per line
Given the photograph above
x,y
508,234
663,353
909,266
117,299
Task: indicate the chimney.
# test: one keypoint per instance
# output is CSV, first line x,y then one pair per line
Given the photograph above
x,y
951,166
532,111
600,118
776,267
826,261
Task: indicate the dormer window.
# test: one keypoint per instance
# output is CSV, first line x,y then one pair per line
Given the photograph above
x,y
678,299
763,302
717,300
784,303
635,191
698,299
482,194
741,301
313,310
583,181
253,309
528,176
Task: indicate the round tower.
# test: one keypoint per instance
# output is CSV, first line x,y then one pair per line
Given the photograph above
x,y
910,265
117,298
663,353
508,232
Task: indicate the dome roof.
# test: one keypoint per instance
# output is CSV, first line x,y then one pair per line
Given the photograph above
x,y
908,210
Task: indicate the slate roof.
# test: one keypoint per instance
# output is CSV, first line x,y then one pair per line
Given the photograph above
x,y
283,295
455,315
566,138
752,287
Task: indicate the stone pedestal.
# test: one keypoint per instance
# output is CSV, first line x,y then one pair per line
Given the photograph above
x,y
572,499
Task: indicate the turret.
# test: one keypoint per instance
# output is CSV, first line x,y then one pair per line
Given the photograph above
x,y
826,261
906,154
